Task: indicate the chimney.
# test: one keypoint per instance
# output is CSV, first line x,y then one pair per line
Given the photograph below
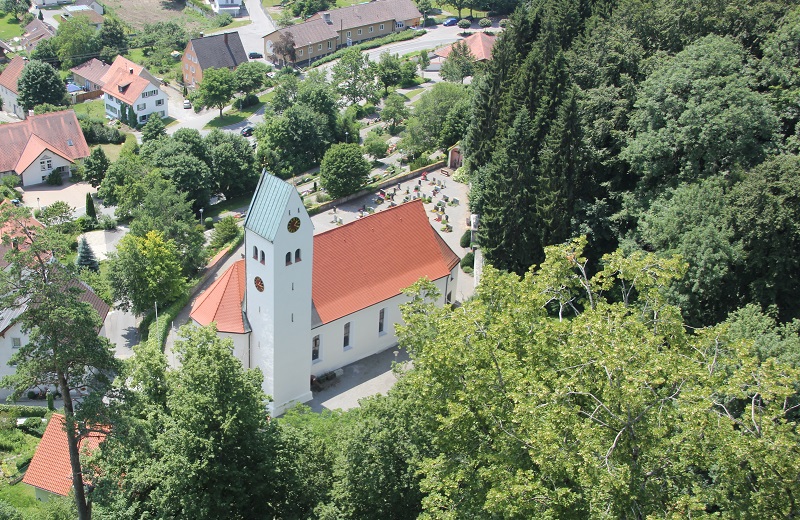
x,y
130,70
201,35
225,37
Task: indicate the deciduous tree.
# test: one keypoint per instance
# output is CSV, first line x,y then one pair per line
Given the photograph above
x,y
96,165
216,89
343,170
39,83
354,78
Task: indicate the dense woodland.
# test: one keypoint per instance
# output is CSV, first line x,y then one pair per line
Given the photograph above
x,y
634,352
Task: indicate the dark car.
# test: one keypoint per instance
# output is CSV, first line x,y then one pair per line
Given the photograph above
x,y
255,55
450,21
247,131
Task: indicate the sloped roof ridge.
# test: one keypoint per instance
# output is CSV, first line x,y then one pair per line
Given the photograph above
x,y
266,208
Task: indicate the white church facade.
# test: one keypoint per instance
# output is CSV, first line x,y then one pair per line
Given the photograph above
x,y
300,305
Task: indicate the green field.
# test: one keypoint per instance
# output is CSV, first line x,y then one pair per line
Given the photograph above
x,y
95,108
9,27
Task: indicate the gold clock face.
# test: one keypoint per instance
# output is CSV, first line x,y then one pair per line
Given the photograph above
x,y
259,284
293,225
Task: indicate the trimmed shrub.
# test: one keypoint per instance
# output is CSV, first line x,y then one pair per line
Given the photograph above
x,y
247,101
107,222
224,231
20,410
209,222
86,223
485,22
468,261
464,24
54,179
502,23
466,239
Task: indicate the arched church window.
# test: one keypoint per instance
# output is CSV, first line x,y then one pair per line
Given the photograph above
x,y
255,253
289,258
262,257
297,256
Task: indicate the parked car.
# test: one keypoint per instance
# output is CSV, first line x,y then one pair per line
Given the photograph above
x,y
450,21
247,131
187,103
255,55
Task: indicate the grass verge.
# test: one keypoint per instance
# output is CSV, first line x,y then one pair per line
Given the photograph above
x,y
233,116
9,27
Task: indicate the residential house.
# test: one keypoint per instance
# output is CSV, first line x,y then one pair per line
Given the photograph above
x,y
34,148
50,471
93,4
131,85
479,44
301,305
75,11
327,31
35,32
4,48
89,75
218,51
8,86
231,7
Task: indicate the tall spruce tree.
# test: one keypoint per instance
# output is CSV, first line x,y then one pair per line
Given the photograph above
x,y
86,256
91,211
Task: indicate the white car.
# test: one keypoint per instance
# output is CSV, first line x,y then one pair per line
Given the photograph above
x,y
187,103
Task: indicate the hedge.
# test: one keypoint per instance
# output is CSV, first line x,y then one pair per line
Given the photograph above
x,y
392,38
20,410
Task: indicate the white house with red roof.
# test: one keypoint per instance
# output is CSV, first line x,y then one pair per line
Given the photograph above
x,y
8,86
300,305
40,145
131,85
50,472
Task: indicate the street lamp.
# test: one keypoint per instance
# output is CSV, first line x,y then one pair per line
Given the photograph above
x,y
38,204
201,217
346,136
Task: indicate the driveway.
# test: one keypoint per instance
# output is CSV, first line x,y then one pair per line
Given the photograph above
x,y
252,35
73,193
51,15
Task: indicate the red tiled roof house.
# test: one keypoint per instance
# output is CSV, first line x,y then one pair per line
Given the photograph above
x,y
300,305
126,83
40,145
8,86
50,472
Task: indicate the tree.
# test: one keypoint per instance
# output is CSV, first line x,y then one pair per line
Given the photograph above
x,y
285,92
155,204
343,170
388,70
285,19
619,393
86,256
224,231
47,51
113,39
57,215
41,15
183,158
153,129
763,208
394,111
216,89
295,140
375,145
91,211
39,83
145,271
423,60
353,77
250,77
424,7
77,40
64,348
233,170
17,8
459,64
696,115
128,166
285,48
199,425
423,128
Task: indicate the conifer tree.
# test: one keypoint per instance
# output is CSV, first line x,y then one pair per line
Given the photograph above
x,y
91,212
86,256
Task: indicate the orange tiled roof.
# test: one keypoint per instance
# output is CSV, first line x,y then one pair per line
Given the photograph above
x,y
10,74
222,301
123,84
50,469
374,258
58,132
479,44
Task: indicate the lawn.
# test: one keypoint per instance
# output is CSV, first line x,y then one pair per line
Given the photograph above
x,y
9,27
20,447
228,205
232,25
233,116
95,108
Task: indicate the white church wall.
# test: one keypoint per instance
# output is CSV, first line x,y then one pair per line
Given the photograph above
x,y
365,337
10,342
241,344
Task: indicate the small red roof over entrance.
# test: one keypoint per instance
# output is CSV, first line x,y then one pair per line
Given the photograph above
x,y
222,301
375,258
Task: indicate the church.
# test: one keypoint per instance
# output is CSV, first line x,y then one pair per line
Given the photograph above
x,y
299,305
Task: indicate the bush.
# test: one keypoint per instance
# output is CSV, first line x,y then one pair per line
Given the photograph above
x,y
224,231
502,23
86,223
466,239
97,131
485,22
19,410
247,101
223,19
468,261
54,179
464,24
107,222
209,222
323,197
9,512
10,181
377,42
420,162
33,426
461,175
